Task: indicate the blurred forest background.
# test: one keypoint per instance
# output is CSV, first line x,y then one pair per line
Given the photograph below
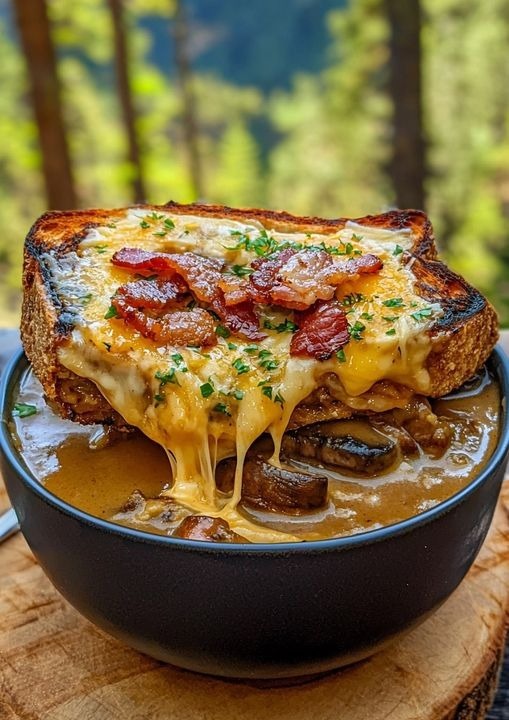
x,y
322,107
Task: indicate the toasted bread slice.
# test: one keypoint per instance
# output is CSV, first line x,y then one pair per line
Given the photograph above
x,y
461,338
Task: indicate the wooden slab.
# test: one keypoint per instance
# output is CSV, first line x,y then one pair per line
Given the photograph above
x,y
55,665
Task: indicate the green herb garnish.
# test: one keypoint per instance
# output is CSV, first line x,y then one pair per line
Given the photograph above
x,y
222,331
206,389
240,366
397,250
267,391
394,302
279,398
392,331
24,410
241,270
167,377
341,355
420,315
367,316
356,330
111,313
221,408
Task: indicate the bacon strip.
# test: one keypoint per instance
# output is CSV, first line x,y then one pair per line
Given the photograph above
x,y
240,319
236,290
264,278
323,330
143,262
180,327
159,294
200,273
296,280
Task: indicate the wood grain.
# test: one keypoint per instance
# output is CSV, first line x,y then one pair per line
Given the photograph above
x,y
55,665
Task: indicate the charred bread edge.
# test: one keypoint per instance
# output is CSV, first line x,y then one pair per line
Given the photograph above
x,y
462,339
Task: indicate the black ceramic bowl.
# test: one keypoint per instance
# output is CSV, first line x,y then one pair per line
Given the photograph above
x,y
256,611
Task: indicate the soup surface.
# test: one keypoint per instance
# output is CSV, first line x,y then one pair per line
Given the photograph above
x,y
364,481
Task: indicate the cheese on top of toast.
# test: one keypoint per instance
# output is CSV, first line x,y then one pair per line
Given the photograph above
x,y
204,404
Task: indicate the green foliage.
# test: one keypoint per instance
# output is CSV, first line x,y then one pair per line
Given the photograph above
x,y
317,144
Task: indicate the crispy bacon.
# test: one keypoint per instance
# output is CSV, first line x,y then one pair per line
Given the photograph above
x,y
159,294
200,273
143,262
323,330
235,290
297,279
264,278
342,270
239,319
180,327
302,280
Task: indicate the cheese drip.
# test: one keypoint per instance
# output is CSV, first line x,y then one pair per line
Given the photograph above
x,y
203,406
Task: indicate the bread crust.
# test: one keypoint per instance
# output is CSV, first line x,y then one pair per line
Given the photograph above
x,y
462,339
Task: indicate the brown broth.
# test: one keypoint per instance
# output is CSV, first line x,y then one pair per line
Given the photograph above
x,y
80,465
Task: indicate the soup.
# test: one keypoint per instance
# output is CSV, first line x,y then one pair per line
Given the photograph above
x,y
337,478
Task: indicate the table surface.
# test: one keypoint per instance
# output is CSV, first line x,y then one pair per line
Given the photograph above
x,y
500,711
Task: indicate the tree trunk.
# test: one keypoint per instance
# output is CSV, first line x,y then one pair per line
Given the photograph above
x,y
184,74
405,88
34,32
126,98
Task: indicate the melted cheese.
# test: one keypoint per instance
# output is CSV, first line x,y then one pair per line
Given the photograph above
x,y
183,418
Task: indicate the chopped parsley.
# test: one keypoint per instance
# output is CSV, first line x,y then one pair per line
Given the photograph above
x,y
421,315
394,302
222,331
240,366
397,250
144,224
367,316
160,233
169,224
207,389
179,362
221,408
279,398
241,270
356,330
352,299
232,346
24,410
167,377
341,355
111,313
101,249
286,326
267,391
392,331
265,360
389,318
251,349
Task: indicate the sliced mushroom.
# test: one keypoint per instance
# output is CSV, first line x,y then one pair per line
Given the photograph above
x,y
352,445
276,489
203,527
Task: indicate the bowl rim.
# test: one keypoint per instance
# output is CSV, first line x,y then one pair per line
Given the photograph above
x,y
18,363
